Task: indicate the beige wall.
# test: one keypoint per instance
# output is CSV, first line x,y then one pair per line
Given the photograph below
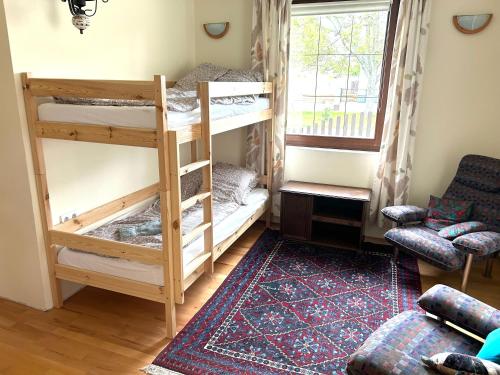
x,y
22,272
232,51
460,103
125,41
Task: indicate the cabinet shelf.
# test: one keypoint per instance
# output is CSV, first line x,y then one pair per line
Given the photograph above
x,y
338,219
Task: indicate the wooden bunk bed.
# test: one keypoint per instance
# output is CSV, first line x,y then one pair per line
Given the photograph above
x,y
176,277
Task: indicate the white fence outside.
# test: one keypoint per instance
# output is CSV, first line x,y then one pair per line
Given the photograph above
x,y
353,125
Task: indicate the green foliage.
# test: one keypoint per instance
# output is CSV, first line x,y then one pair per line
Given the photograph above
x,y
326,41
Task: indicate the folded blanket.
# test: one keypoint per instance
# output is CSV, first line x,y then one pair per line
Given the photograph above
x,y
183,97
149,228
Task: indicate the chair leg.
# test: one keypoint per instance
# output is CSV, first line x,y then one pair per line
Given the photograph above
x,y
489,265
396,254
468,266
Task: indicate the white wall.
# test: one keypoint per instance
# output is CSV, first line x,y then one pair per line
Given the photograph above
x,y
126,40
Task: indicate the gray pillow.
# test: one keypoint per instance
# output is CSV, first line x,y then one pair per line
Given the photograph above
x,y
203,72
190,184
232,183
233,75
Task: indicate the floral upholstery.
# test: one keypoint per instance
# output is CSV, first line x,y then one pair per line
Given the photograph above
x,y
460,229
477,181
404,214
425,243
479,243
460,309
397,346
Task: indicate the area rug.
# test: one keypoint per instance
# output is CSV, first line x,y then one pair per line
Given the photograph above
x,y
291,308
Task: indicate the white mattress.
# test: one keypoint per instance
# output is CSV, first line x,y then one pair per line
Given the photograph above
x,y
139,117
154,273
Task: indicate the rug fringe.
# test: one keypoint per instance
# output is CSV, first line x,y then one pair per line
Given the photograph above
x,y
157,370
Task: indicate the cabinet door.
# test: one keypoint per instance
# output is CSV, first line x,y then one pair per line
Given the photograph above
x,y
296,215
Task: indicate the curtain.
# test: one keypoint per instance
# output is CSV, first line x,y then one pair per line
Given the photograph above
x,y
270,52
392,180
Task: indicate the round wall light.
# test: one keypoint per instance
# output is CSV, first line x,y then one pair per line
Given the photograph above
x,y
472,24
216,30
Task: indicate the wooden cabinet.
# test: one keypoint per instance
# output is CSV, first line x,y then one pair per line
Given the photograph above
x,y
324,214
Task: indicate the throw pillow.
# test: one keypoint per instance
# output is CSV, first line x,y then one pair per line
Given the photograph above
x,y
491,348
456,363
444,212
460,229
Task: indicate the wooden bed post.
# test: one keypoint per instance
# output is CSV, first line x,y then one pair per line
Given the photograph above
x,y
42,188
206,135
270,156
176,219
165,193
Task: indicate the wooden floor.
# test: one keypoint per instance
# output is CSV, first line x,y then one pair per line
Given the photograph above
x,y
100,332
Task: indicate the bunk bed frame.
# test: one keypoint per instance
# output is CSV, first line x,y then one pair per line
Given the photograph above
x,y
177,278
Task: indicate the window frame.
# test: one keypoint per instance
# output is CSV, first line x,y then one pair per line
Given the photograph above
x,y
357,144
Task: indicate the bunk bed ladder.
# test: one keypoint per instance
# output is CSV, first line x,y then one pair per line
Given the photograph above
x,y
184,276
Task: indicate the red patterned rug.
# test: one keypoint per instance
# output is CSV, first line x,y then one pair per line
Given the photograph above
x,y
289,307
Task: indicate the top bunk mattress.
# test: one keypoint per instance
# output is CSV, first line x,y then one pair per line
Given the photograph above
x,y
140,117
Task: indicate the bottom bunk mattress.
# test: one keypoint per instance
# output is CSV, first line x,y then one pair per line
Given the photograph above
x,y
153,274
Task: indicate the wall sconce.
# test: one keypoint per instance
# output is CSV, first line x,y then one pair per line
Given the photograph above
x,y
216,30
81,16
472,24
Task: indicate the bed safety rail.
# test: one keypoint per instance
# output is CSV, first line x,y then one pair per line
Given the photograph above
x,y
117,135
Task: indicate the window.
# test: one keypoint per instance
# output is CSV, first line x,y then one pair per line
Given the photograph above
x,y
340,55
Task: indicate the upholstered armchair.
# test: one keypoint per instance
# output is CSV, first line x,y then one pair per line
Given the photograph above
x,y
397,346
478,181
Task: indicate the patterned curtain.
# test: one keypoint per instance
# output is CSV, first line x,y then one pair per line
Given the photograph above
x,y
392,181
270,50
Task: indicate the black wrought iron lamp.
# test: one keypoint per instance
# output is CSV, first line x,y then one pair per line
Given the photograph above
x,y
81,15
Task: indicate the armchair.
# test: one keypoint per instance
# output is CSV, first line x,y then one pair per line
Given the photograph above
x,y
397,346
477,180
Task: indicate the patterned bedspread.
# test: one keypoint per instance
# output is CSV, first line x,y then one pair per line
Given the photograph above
x,y
190,219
